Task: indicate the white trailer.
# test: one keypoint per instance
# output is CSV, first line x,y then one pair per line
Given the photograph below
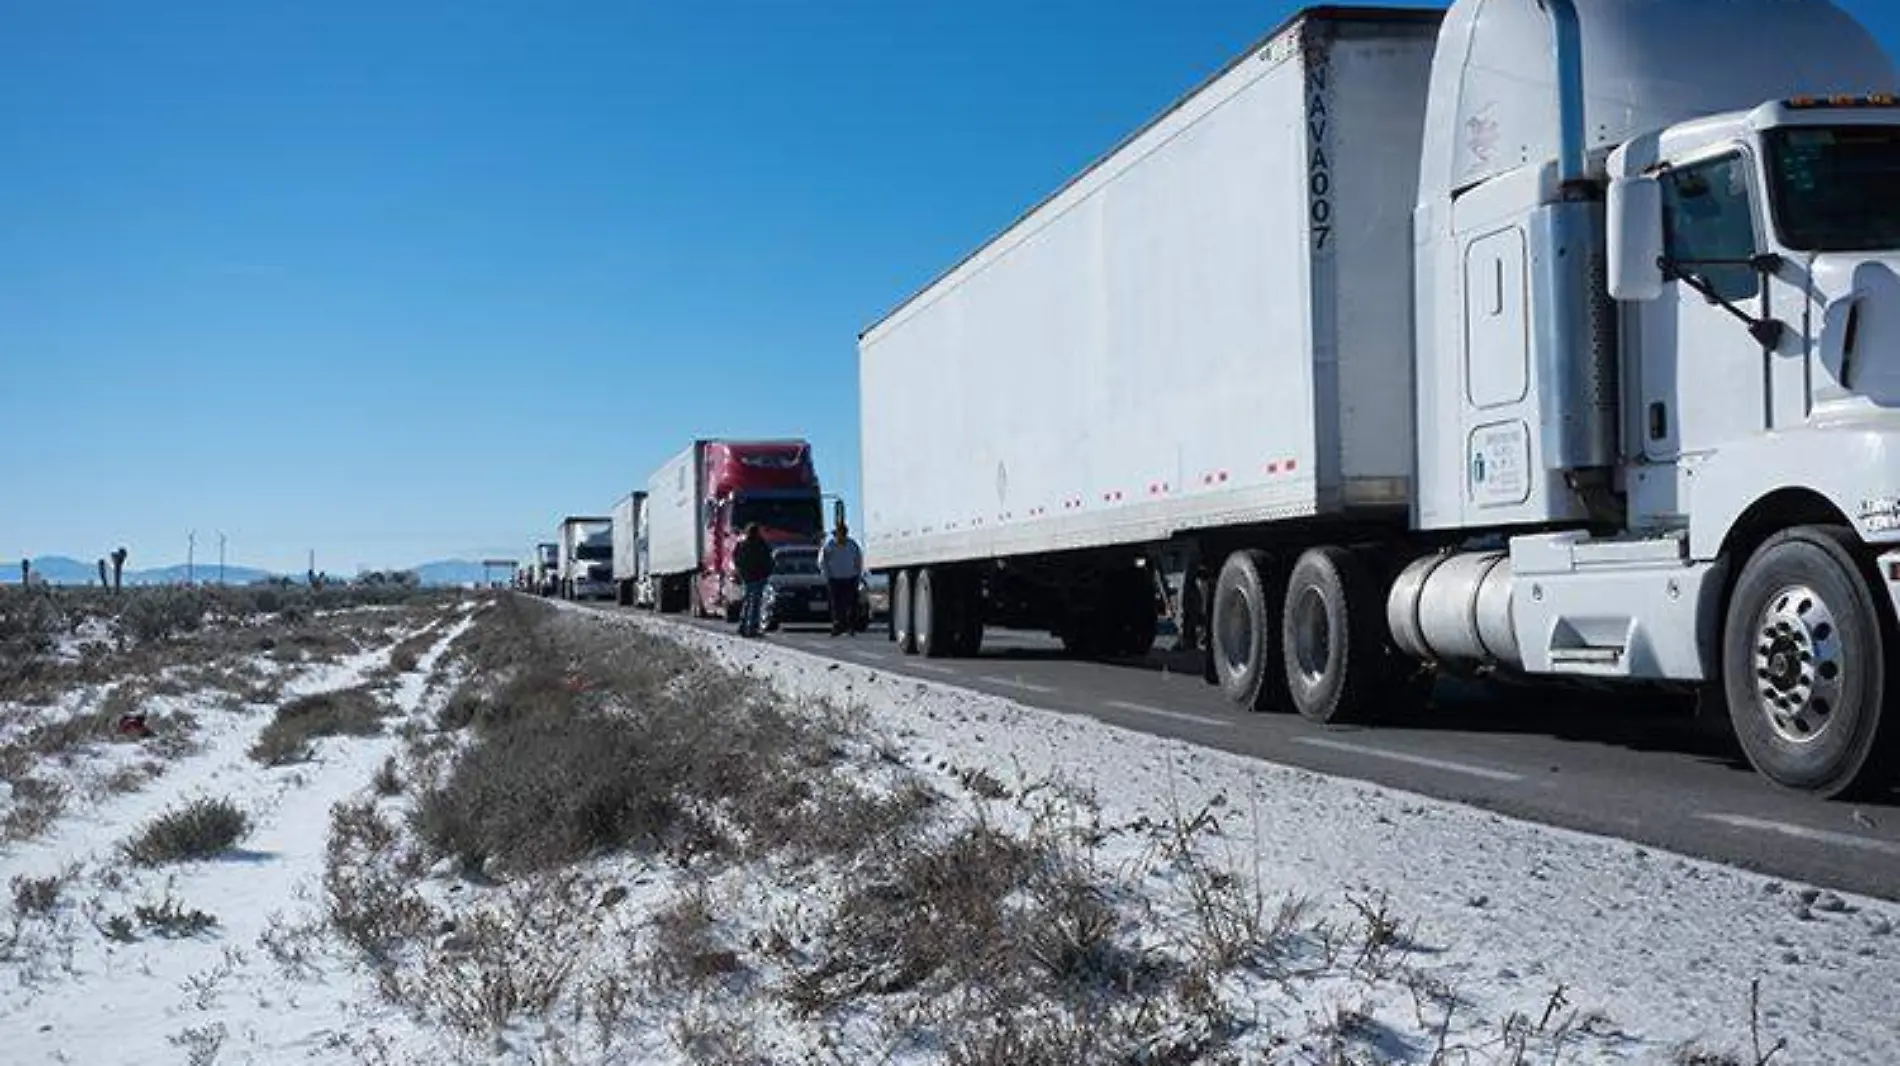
x,y
1515,337
675,530
630,544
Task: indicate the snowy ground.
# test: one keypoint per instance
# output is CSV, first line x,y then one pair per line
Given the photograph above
x,y
1492,941
69,993
1654,950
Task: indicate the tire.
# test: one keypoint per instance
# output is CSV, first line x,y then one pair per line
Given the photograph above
x,y
969,617
1243,633
1081,636
931,597
1333,638
623,593
902,614
1804,666
732,612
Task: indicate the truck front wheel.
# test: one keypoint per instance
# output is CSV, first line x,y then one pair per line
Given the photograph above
x,y
1804,669
1242,628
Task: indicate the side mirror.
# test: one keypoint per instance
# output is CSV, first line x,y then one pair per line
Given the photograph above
x,y
1635,239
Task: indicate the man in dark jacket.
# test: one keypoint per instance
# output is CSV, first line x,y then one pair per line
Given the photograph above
x,y
753,561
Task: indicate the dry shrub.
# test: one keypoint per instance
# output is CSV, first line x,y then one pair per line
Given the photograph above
x,y
406,657
202,829
171,919
683,954
388,779
154,615
616,752
37,895
288,737
37,803
938,907
368,894
512,959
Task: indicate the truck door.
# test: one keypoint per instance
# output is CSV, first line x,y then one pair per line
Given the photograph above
x,y
1701,372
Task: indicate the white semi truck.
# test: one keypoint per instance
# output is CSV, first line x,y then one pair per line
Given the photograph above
x,y
587,554
1551,337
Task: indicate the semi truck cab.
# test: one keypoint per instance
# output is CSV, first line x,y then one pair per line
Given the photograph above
x,y
1755,256
1666,285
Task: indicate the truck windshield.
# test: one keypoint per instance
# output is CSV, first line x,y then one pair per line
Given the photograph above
x,y
800,515
1833,187
595,551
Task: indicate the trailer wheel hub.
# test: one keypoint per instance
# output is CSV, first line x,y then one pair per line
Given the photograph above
x,y
1312,635
1798,664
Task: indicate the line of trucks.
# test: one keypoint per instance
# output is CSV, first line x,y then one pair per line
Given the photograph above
x,y
1550,338
671,546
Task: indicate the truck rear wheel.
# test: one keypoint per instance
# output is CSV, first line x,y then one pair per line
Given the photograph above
x,y
1333,638
931,596
1242,632
1804,666
902,614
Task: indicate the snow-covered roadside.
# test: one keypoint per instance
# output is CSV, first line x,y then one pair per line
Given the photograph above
x,y
1664,947
87,997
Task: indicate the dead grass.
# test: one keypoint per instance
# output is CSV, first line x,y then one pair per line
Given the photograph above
x,y
591,748
37,803
368,890
38,896
980,925
388,780
291,734
202,829
508,960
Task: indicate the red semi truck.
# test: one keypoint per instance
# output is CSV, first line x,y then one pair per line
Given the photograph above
x,y
698,506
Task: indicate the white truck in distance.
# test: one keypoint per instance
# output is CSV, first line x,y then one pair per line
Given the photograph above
x,y
587,553
1551,337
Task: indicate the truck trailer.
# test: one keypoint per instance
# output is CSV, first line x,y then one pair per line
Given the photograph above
x,y
1552,338
544,568
630,546
586,560
698,506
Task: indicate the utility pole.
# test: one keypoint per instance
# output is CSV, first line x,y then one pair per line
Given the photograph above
x,y
191,557
220,557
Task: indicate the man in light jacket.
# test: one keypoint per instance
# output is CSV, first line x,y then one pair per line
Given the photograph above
x,y
842,563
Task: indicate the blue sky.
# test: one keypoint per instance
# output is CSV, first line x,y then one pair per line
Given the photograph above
x,y
403,281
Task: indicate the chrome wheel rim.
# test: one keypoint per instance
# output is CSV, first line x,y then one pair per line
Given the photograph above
x,y
1799,664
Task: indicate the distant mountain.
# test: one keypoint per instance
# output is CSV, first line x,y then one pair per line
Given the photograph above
x,y
65,570
174,575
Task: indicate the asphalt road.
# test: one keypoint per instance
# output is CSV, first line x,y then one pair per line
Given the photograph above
x,y
1605,763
